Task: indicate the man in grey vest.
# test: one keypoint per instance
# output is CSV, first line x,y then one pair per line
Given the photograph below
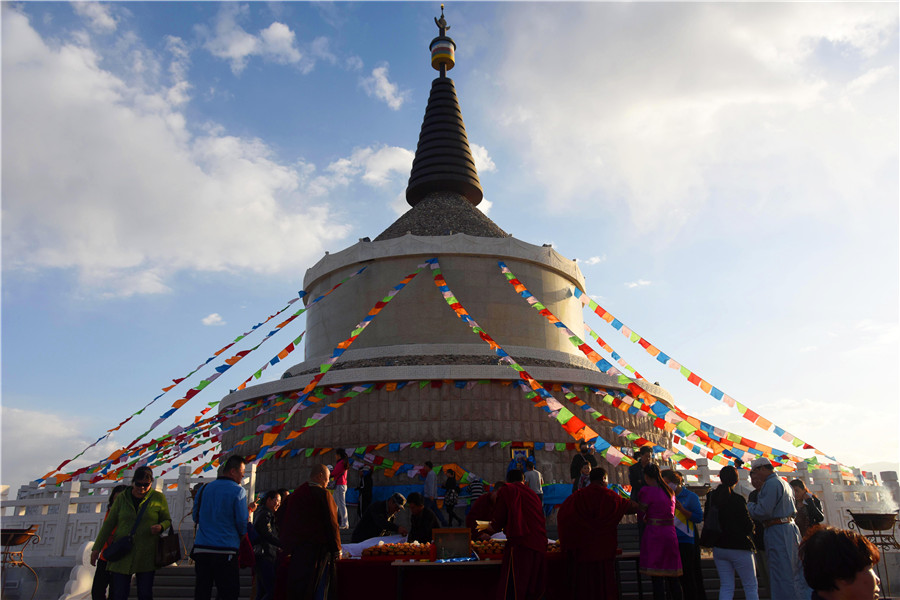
x,y
774,506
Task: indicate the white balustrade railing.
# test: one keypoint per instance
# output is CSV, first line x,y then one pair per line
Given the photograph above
x,y
70,515
837,491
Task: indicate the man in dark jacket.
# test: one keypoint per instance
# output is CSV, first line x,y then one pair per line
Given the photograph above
x,y
378,519
266,546
636,471
310,538
421,520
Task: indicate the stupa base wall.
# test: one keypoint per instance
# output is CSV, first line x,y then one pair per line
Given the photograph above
x,y
485,414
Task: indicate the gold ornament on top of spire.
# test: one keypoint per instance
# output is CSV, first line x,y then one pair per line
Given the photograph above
x,y
442,47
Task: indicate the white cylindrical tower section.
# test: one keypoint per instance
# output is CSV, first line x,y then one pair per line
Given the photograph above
x,y
419,314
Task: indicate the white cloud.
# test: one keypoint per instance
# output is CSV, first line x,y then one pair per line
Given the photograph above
x,y
483,162
375,166
638,283
399,205
178,68
387,162
321,48
595,260
871,77
377,85
734,105
46,440
213,320
146,196
353,63
279,44
231,42
98,15
485,206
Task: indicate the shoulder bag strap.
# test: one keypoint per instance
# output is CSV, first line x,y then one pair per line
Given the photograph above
x,y
140,514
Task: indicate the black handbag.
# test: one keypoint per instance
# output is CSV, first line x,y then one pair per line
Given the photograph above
x,y
814,510
712,529
123,546
168,548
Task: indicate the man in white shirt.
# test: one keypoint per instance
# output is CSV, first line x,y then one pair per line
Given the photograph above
x,y
534,480
430,492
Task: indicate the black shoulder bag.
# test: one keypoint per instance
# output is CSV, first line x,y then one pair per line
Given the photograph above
x,y
122,547
712,529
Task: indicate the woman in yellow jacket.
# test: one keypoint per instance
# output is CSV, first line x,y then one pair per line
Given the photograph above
x,y
141,561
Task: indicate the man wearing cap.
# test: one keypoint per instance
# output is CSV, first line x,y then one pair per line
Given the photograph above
x,y
519,514
774,506
310,538
378,520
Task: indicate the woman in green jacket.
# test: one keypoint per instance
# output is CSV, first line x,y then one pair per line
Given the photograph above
x,y
142,558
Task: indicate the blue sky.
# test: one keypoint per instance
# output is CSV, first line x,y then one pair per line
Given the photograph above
x,y
726,174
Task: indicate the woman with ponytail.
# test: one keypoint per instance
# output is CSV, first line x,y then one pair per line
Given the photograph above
x,y
660,558
733,547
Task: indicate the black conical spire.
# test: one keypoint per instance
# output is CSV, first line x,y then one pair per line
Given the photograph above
x,y
443,161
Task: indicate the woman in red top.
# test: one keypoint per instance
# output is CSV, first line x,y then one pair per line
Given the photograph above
x,y
340,487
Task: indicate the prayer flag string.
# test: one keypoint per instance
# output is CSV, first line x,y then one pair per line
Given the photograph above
x,y
219,370
538,395
693,378
335,355
649,402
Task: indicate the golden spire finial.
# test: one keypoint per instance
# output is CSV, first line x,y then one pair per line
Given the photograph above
x,y
442,47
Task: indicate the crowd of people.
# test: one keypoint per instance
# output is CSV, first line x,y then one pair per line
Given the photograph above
x,y
293,540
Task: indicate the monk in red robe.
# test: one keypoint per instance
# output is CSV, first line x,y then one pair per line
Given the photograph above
x,y
310,540
483,509
588,525
519,514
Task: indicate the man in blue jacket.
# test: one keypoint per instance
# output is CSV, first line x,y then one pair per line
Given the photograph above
x,y
688,513
220,512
